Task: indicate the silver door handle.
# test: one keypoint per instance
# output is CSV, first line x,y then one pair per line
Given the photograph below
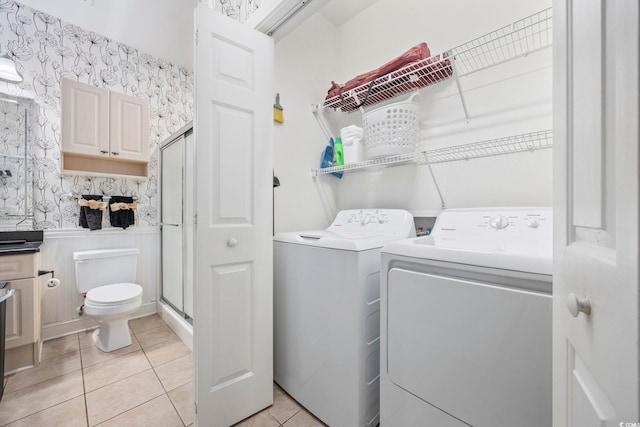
x,y
577,305
170,225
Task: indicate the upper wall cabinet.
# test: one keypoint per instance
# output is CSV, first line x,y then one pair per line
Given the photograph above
x,y
103,132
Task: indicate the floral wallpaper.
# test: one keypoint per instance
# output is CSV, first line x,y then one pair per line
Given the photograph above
x,y
236,9
46,50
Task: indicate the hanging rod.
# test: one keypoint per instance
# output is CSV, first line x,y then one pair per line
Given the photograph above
x,y
73,196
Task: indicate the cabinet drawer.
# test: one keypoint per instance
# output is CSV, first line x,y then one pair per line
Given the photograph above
x,y
17,267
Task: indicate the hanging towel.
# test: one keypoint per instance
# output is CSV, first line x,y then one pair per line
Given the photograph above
x,y
121,211
91,207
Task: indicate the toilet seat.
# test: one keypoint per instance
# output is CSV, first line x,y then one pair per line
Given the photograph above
x,y
114,294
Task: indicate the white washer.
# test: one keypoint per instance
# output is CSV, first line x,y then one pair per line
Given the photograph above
x,y
327,314
466,322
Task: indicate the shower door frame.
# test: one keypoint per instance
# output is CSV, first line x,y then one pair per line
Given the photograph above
x,y
178,137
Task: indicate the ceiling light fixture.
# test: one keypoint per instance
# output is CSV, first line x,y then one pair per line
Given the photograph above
x,y
9,71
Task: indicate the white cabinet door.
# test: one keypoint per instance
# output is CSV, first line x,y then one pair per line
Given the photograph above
x,y
233,320
85,119
129,127
596,217
22,314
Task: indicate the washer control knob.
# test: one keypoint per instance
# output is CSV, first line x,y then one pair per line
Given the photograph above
x,y
533,223
499,222
366,220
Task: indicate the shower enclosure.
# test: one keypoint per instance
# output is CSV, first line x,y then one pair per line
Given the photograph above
x,y
177,221
16,163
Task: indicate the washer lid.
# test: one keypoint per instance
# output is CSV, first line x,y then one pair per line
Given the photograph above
x,y
117,293
327,239
357,230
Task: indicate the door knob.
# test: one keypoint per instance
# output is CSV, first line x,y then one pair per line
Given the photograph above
x,y
577,305
232,242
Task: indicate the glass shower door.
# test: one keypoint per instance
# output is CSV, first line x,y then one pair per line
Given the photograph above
x,y
172,174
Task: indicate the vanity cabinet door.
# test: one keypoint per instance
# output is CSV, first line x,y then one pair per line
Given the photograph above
x,y
22,318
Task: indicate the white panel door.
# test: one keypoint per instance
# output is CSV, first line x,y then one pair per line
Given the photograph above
x,y
85,119
596,158
233,325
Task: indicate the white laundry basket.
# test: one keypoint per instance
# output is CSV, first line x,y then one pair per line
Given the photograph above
x,y
392,129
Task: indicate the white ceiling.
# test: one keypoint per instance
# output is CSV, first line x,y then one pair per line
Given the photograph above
x,y
340,11
162,28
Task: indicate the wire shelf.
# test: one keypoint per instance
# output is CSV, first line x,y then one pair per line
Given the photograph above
x,y
512,41
509,42
369,164
411,77
512,144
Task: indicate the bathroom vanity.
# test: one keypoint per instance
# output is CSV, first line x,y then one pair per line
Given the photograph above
x,y
19,265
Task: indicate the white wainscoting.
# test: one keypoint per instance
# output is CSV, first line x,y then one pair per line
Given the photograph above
x,y
60,305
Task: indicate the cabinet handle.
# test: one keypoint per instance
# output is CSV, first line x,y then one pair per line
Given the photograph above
x,y
104,151
115,153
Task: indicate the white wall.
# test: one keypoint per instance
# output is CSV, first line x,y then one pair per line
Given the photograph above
x,y
60,315
505,100
303,61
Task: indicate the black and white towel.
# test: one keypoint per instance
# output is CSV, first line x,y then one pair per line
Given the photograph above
x,y
91,207
121,211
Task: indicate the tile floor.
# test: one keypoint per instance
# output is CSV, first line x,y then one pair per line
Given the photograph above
x,y
148,383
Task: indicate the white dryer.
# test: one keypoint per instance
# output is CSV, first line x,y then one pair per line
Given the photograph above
x,y
466,322
327,314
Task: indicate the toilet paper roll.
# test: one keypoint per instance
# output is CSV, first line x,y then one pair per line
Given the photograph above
x,y
52,284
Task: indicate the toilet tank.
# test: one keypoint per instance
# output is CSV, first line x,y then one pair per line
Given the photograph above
x,y
104,267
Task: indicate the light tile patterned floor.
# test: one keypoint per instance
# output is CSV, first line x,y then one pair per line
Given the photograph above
x,y
149,383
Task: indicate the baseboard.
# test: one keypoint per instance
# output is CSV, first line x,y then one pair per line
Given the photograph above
x,y
177,324
56,330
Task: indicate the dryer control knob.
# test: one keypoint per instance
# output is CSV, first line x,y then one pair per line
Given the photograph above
x,y
533,223
366,220
499,222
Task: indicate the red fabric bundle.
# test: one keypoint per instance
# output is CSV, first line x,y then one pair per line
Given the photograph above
x,y
411,70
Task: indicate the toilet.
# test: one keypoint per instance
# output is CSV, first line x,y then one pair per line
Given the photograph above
x,y
106,276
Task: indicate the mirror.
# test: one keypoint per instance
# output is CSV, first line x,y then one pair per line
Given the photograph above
x,y
16,163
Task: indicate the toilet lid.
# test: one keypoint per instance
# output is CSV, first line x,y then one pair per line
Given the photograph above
x,y
117,293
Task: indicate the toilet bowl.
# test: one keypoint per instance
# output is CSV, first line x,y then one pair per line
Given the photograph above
x,y
111,305
106,276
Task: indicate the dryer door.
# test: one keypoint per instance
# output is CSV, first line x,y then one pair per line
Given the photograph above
x,y
480,352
